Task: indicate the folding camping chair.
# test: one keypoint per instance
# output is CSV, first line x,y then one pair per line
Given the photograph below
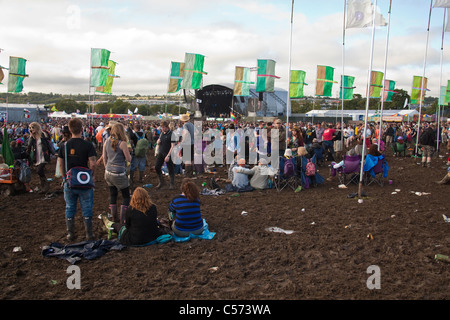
x,y
375,173
308,181
350,171
282,180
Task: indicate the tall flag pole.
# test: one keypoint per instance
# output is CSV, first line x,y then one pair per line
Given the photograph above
x,y
423,80
441,4
288,106
343,75
367,105
380,127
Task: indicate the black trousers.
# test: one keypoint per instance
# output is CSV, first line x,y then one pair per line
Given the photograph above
x,y
40,169
160,162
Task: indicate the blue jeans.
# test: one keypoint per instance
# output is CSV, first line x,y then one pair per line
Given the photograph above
x,y
71,197
137,164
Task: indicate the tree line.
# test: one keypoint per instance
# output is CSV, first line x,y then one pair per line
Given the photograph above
x,y
111,104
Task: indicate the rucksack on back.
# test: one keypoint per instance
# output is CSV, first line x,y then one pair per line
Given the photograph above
x,y
288,168
423,139
141,148
25,172
310,168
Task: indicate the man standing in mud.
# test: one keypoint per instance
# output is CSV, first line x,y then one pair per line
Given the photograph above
x,y
80,153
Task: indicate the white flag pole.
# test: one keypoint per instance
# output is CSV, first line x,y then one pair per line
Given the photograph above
x,y
380,128
288,106
423,79
342,77
361,175
440,85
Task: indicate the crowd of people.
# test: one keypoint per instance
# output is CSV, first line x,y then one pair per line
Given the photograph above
x,y
123,149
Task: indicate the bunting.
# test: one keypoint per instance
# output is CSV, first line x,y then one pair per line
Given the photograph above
x,y
16,74
297,84
109,78
265,81
419,89
242,81
389,87
176,76
324,81
347,85
376,84
99,67
193,71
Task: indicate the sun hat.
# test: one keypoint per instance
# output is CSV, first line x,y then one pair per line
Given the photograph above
x,y
184,117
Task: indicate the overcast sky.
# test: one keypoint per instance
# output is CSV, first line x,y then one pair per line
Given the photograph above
x,y
144,36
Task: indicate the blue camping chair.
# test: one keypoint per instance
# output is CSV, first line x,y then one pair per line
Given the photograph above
x,y
281,180
376,170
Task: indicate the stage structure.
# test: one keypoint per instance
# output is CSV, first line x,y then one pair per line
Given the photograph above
x,y
216,100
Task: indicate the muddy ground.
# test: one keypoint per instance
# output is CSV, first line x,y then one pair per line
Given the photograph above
x,y
329,255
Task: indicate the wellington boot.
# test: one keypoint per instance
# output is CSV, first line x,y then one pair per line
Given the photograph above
x,y
113,212
162,183
123,209
70,223
172,183
188,171
45,186
88,228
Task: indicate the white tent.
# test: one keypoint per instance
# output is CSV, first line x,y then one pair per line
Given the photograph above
x,y
59,114
409,113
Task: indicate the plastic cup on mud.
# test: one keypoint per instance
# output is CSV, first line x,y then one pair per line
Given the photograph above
x,y
390,181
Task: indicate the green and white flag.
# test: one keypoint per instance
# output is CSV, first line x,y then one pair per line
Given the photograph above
x,y
16,74
193,71
99,67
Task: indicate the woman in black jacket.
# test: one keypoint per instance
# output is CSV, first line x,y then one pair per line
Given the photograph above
x,y
38,151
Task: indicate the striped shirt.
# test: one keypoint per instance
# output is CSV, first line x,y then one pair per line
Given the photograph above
x,y
186,213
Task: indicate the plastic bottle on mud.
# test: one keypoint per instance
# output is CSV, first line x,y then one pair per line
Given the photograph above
x,y
149,185
441,257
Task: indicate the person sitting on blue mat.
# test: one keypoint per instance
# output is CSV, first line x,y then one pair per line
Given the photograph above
x,y
184,211
141,223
